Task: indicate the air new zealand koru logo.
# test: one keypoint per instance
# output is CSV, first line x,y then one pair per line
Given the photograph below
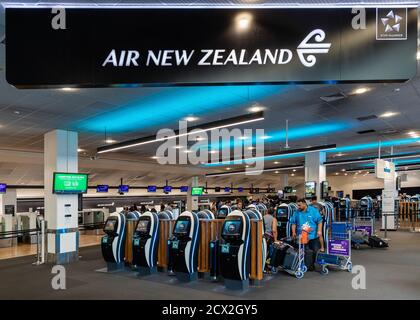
x,y
310,49
391,24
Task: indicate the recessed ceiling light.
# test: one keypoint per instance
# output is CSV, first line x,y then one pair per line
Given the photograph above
x,y
343,170
190,119
68,89
110,141
16,112
243,21
276,162
360,171
336,173
276,172
256,108
345,174
361,90
80,150
228,168
154,157
292,174
388,114
247,166
294,170
340,154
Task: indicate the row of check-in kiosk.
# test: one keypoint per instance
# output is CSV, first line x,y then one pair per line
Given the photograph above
x,y
229,245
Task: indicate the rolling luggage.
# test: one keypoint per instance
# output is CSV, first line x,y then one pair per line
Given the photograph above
x,y
376,242
291,260
277,254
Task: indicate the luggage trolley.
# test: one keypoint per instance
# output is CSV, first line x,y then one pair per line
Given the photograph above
x,y
338,249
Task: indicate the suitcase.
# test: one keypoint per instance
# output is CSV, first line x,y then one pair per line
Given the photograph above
x,y
291,260
309,259
277,254
360,236
376,242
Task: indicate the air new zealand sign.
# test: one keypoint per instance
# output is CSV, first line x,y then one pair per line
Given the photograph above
x,y
103,47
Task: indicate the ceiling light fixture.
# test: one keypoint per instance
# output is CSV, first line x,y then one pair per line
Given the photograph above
x,y
190,119
80,150
388,114
230,122
68,89
241,172
418,55
109,141
361,90
243,21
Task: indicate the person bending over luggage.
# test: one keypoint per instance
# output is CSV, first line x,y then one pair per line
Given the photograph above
x,y
317,205
309,216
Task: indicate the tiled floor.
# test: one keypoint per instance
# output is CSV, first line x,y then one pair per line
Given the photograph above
x,y
22,249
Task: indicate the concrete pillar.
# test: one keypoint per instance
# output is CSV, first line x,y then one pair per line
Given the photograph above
x,y
315,169
60,155
389,194
192,202
284,180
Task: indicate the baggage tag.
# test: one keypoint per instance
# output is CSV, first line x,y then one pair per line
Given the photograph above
x,y
225,248
136,242
175,244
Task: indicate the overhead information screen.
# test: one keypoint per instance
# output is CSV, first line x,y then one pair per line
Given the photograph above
x,y
3,188
70,183
107,47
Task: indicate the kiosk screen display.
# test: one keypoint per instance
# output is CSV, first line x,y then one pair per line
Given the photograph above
x,y
167,189
142,226
110,225
223,212
232,228
182,227
282,212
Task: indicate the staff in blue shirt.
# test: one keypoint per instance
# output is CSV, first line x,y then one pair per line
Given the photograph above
x,y
310,216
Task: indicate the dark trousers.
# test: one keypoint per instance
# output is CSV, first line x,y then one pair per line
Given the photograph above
x,y
315,246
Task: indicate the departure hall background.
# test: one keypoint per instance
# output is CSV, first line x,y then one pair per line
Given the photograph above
x,y
209,150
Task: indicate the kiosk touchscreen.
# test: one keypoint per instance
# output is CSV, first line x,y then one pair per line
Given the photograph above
x,y
223,212
283,218
234,250
184,246
113,242
145,243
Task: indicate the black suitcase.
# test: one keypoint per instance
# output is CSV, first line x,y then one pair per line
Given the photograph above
x,y
309,259
277,254
376,242
291,259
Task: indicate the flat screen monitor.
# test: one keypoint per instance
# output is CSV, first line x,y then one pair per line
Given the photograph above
x,y
310,189
340,194
182,227
223,212
143,226
288,189
197,191
167,189
232,228
184,188
123,188
151,189
3,188
227,189
398,183
240,189
324,189
110,225
102,188
217,189
282,212
70,183
9,209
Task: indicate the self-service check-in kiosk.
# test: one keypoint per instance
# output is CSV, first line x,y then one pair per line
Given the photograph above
x,y
344,209
113,242
145,243
184,246
234,250
223,212
205,215
283,214
366,206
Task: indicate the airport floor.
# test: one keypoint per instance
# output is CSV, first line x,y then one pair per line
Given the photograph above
x,y
392,273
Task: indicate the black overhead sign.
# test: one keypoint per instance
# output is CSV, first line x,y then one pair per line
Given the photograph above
x,y
103,47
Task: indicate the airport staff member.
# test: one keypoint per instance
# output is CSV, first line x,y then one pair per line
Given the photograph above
x,y
310,216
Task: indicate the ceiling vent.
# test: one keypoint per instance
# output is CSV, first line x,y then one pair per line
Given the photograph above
x,y
365,131
370,117
333,97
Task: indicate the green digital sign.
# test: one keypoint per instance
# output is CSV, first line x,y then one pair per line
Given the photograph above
x,y
197,191
70,183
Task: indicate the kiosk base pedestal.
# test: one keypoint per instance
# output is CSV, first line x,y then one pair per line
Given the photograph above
x,y
111,267
236,284
186,277
143,271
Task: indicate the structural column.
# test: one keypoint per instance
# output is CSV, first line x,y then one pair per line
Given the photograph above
x,y
284,180
60,155
8,207
315,169
192,201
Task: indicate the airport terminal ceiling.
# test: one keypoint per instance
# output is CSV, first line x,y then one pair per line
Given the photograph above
x,y
352,116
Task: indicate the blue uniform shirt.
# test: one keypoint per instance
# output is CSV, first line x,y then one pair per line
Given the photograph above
x,y
311,217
